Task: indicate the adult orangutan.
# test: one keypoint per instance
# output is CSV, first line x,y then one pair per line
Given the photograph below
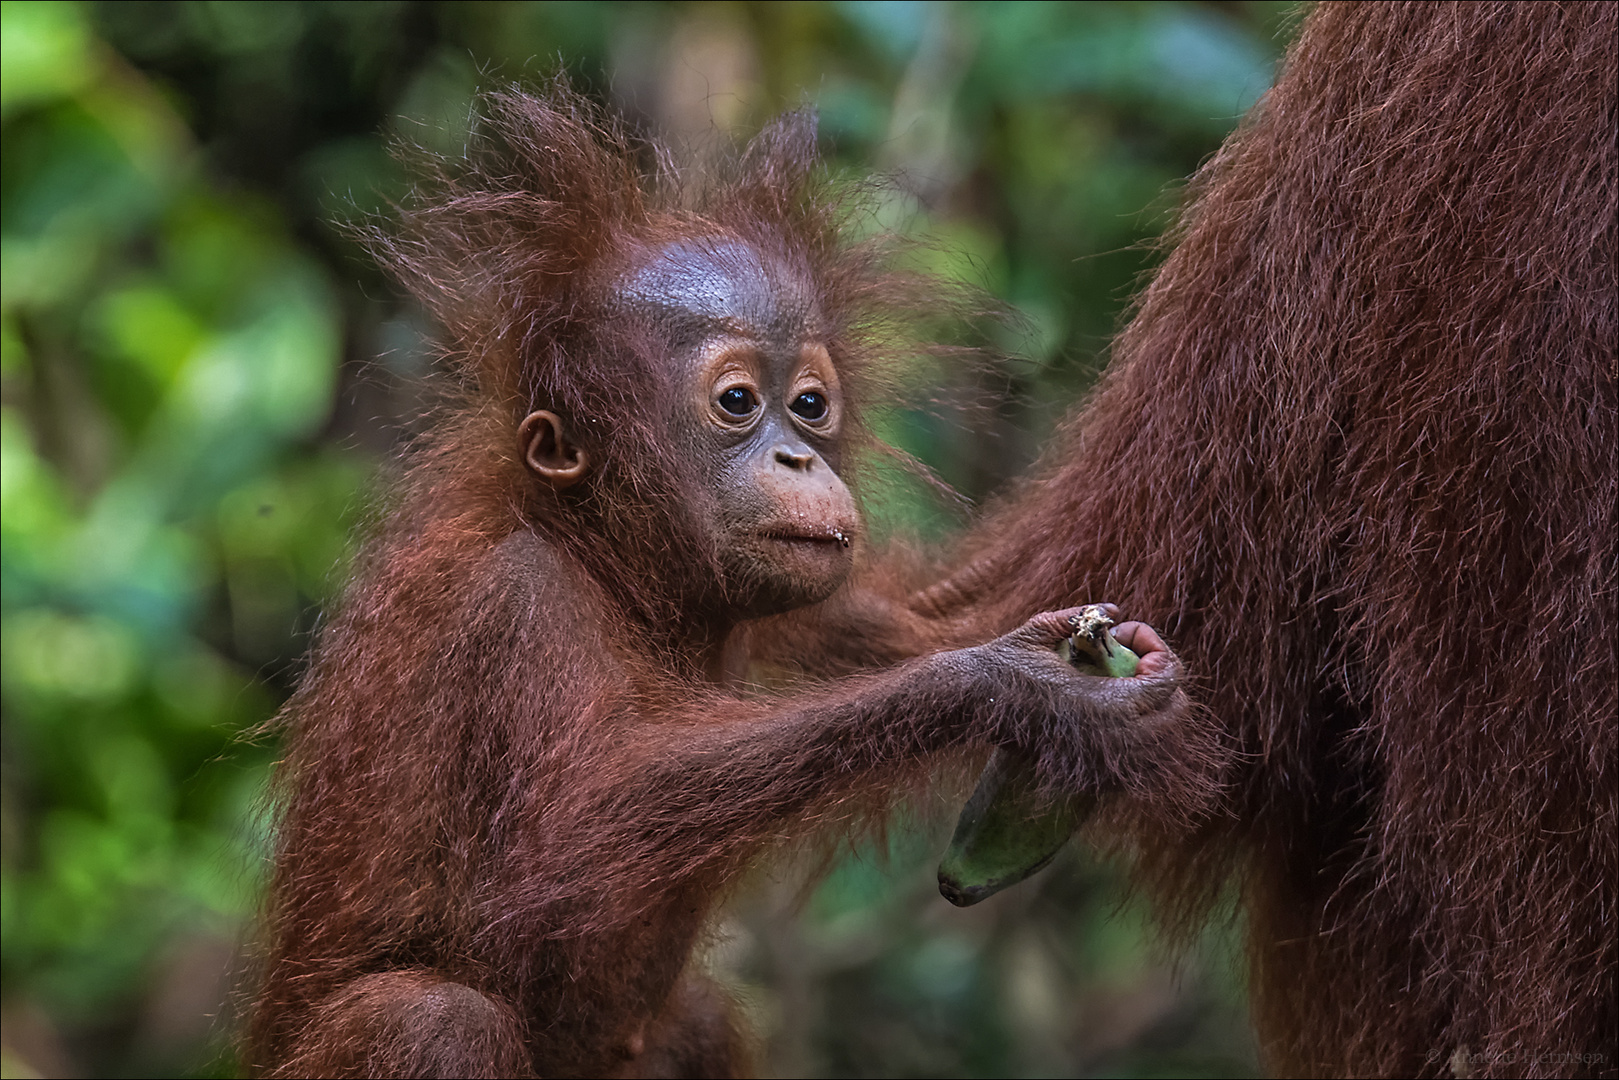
x,y
1376,376
518,778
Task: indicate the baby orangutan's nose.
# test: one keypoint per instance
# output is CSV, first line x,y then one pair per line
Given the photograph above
x,y
794,457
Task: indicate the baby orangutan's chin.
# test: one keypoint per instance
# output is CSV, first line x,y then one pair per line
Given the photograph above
x,y
772,572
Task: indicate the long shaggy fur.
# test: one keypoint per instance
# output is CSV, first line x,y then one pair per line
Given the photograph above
x,y
1356,455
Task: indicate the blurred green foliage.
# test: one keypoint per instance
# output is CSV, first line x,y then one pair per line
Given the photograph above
x,y
201,375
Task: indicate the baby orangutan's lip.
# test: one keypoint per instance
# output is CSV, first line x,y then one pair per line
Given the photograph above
x,y
827,535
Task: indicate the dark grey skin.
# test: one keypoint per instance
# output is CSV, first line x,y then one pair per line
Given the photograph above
x,y
758,417
762,419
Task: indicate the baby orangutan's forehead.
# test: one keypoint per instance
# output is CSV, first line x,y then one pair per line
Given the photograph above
x,y
726,285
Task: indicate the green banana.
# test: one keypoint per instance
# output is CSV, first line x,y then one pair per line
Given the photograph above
x,y
1007,832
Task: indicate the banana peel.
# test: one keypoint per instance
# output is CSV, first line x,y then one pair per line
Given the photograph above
x,y
1008,831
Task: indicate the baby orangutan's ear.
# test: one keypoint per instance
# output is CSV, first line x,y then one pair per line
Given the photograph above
x,y
547,451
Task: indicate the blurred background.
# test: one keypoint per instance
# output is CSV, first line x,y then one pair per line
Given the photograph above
x,y
202,377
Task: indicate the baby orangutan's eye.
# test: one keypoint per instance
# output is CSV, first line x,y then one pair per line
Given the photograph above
x,y
810,405
738,401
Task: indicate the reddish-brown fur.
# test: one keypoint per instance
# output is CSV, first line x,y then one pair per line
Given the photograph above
x,y
513,793
1356,454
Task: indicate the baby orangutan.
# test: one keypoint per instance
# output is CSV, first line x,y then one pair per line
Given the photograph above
x,y
518,778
